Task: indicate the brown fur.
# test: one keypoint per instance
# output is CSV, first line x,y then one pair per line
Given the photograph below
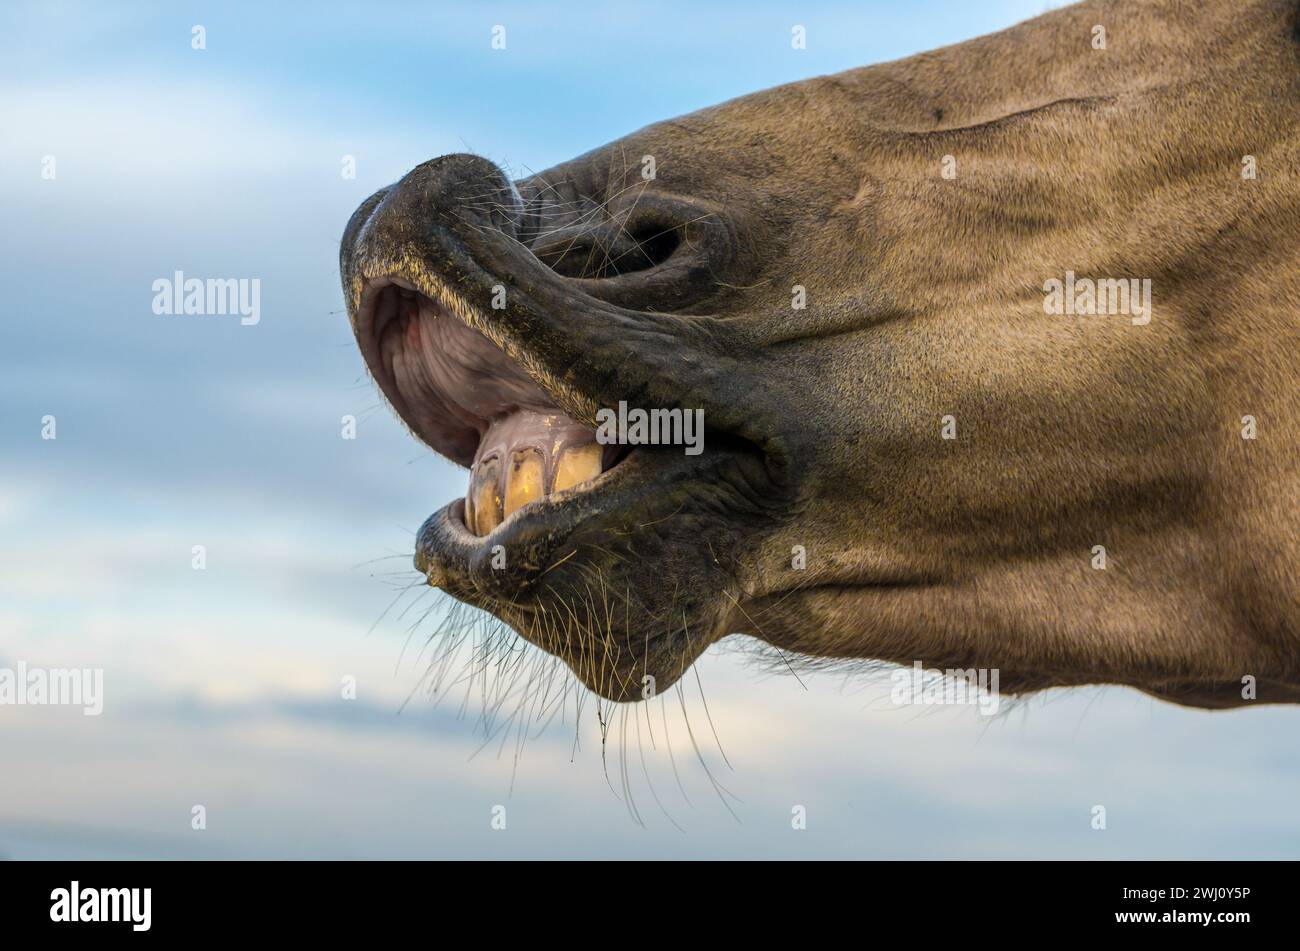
x,y
925,299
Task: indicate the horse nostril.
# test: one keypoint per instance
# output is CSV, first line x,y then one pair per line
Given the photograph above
x,y
641,250
608,251
654,246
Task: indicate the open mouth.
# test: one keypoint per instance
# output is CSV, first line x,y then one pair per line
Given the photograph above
x,y
464,397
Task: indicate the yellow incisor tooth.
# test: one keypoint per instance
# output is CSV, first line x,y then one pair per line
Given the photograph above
x,y
576,465
483,505
524,479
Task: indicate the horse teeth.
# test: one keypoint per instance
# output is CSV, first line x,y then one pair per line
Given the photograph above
x,y
483,503
576,465
508,480
525,479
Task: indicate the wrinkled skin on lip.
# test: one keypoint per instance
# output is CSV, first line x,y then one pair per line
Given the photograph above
x,y
924,300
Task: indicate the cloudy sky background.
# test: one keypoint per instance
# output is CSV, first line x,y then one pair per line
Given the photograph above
x,y
223,686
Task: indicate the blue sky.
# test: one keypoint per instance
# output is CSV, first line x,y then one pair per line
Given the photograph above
x,y
223,685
